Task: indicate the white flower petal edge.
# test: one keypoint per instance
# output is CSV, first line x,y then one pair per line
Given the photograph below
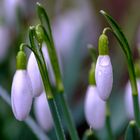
x,y
48,63
104,76
34,75
128,99
21,95
42,112
94,109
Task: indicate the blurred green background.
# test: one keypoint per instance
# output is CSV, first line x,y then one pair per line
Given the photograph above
x,y
75,24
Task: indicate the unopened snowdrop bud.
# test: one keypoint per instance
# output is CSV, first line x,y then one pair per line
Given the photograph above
x,y
34,75
42,112
103,71
21,92
128,99
95,108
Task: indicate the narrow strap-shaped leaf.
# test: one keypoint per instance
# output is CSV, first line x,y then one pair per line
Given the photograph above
x,y
47,87
44,16
128,54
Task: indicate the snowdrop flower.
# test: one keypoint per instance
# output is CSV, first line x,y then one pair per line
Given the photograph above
x,y
34,75
4,42
128,99
21,92
95,108
103,71
34,72
42,112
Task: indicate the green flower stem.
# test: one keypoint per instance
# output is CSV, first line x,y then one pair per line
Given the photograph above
x,y
47,37
44,74
42,34
56,119
67,116
128,54
108,124
45,34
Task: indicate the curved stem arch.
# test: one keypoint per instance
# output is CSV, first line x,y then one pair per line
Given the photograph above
x,y
128,54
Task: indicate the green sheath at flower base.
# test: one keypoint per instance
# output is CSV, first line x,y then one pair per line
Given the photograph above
x,y
132,131
103,45
89,135
137,68
92,75
39,33
21,60
42,35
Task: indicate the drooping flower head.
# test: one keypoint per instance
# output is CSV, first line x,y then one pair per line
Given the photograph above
x,y
21,92
103,71
95,108
42,112
34,75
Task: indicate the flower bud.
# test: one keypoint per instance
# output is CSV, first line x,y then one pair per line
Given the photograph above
x,y
104,76
21,95
94,108
128,99
42,112
34,75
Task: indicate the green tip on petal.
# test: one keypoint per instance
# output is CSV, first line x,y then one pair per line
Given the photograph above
x,y
39,33
103,45
89,135
21,60
132,132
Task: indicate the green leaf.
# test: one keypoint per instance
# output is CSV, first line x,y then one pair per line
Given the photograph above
x,y
118,33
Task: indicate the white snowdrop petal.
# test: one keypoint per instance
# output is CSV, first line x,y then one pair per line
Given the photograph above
x,y
21,95
34,75
104,76
129,100
42,112
48,63
94,108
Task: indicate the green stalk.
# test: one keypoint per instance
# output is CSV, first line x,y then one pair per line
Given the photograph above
x,y
67,116
108,124
128,54
46,36
48,90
